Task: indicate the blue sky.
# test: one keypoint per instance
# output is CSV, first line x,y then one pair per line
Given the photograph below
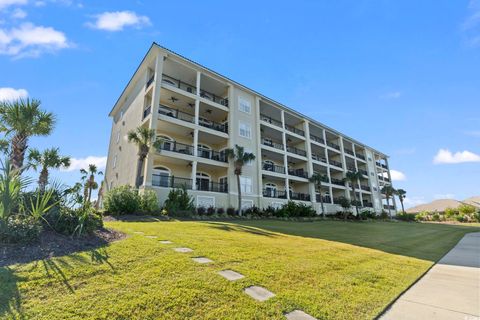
x,y
401,76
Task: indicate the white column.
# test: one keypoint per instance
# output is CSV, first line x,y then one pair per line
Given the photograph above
x,y
285,158
195,143
311,186
199,75
194,175
391,183
259,151
154,118
330,189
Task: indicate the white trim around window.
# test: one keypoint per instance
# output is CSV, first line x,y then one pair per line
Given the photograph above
x,y
244,130
244,105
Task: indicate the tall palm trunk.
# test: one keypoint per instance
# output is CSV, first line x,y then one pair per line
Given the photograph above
x,y
43,179
239,195
355,199
401,202
388,205
321,200
142,155
90,187
18,149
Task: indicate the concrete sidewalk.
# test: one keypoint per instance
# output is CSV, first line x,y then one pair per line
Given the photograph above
x,y
450,290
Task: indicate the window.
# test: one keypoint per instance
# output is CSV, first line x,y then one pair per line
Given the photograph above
x,y
160,177
246,184
115,161
250,163
118,136
245,130
270,189
203,181
223,182
244,105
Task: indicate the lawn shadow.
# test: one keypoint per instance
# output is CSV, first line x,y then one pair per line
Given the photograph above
x,y
226,226
10,299
137,218
52,269
418,240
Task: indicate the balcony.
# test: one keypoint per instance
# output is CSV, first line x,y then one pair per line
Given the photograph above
x,y
212,155
367,204
212,186
326,199
316,157
349,151
335,163
149,82
337,201
298,173
299,196
171,182
333,145
269,143
351,168
361,156
338,182
295,130
295,150
273,168
177,114
222,127
273,193
381,165
364,172
146,112
317,139
171,81
365,188
385,206
178,147
271,120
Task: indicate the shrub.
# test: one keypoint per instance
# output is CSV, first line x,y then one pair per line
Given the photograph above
x,y
292,209
406,216
253,211
466,209
201,211
77,221
422,216
270,211
20,228
460,218
367,214
451,212
211,211
179,200
231,211
220,211
436,216
384,215
122,200
149,202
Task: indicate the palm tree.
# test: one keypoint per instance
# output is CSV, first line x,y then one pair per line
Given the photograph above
x,y
49,158
145,139
388,191
90,184
352,177
401,196
240,158
317,180
22,119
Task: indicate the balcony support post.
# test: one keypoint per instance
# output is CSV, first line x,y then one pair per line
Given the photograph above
x,y
194,175
311,186
259,152
285,158
195,143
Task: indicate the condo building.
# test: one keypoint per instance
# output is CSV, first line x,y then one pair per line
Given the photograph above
x,y
198,114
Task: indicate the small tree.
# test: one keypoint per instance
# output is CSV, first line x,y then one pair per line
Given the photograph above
x,y
317,179
240,158
90,184
48,159
345,204
352,178
388,191
20,120
145,139
401,196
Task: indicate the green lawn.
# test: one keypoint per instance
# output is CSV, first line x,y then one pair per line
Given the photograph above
x,y
329,269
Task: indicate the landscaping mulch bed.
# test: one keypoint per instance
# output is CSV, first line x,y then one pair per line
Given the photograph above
x,y
52,244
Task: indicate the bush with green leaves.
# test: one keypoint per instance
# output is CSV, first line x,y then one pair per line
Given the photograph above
x,y
19,228
367,214
406,216
466,209
122,200
149,202
293,209
179,201
74,221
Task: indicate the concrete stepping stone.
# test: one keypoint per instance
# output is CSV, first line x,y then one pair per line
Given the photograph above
x,y
151,237
259,293
183,250
166,242
299,315
202,260
231,275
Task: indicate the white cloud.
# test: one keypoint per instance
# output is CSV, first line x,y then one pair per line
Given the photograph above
x,y
391,95
7,3
82,163
31,40
471,25
474,133
444,196
445,156
118,20
8,94
19,14
396,175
